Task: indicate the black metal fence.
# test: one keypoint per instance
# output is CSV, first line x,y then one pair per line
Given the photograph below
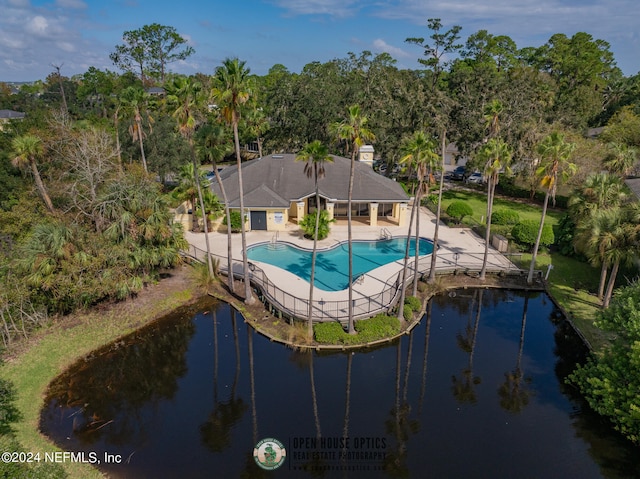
x,y
295,307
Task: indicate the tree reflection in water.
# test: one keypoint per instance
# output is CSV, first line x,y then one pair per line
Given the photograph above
x,y
463,388
216,432
134,373
173,398
514,393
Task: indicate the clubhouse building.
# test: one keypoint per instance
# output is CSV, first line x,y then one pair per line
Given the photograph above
x,y
277,192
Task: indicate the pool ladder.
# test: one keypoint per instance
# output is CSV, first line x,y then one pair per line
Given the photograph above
x,y
385,234
273,244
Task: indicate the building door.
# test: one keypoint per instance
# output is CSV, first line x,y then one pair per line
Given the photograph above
x,y
258,220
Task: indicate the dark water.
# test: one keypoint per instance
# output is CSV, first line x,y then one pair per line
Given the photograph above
x,y
473,392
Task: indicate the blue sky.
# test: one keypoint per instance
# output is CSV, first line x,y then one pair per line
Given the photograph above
x,y
77,34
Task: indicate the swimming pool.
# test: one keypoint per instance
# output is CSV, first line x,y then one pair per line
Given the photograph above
x,y
332,265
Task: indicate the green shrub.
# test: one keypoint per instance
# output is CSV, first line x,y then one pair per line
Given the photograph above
x,y
236,221
378,327
8,411
414,303
25,470
526,232
459,209
372,329
431,199
407,312
508,187
505,217
565,231
308,224
610,381
330,333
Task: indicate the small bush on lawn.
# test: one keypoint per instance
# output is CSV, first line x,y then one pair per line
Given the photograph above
x,y
526,232
505,217
414,303
407,312
459,209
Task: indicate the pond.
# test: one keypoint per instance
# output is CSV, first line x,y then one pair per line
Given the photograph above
x,y
476,390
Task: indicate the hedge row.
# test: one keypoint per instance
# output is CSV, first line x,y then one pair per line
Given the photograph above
x,y
372,329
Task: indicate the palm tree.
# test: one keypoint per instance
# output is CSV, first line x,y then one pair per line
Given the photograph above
x,y
355,131
614,240
601,191
186,96
491,114
555,153
315,154
496,156
621,159
188,189
434,252
231,90
133,101
116,125
419,154
27,149
214,147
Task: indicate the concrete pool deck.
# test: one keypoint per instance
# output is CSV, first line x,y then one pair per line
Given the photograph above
x,y
462,242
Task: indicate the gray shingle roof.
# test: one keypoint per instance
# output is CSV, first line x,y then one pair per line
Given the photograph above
x,y
277,180
11,114
634,185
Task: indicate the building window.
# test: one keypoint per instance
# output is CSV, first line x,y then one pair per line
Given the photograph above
x,y
385,209
357,209
312,204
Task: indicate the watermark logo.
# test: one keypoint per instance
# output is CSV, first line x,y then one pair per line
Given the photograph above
x,y
269,454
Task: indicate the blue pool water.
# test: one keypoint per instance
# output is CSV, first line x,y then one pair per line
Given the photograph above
x,y
332,265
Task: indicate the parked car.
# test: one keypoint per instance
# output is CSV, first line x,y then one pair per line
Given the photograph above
x,y
475,178
458,173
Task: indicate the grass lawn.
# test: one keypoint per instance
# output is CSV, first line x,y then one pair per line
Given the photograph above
x,y
478,202
572,283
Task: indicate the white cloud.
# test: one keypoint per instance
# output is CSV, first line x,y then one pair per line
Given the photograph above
x,y
37,25
334,8
519,18
78,4
33,37
381,46
66,46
